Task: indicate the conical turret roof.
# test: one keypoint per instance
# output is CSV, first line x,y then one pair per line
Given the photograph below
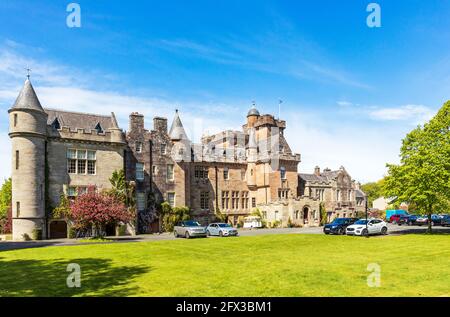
x,y
177,132
27,98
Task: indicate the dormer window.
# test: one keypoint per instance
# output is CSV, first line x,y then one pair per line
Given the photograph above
x,y
56,125
99,128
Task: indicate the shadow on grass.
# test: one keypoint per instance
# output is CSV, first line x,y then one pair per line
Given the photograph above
x,y
48,278
436,231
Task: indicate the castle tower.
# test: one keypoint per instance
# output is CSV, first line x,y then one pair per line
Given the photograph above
x,y
27,130
252,116
252,152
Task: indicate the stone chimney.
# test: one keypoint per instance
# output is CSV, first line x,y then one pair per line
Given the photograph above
x,y
136,122
160,124
358,186
317,171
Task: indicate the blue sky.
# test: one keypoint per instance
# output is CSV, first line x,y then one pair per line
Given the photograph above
x,y
350,93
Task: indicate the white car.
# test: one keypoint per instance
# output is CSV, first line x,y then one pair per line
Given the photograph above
x,y
374,226
221,230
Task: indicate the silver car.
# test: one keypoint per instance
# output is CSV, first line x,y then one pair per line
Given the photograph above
x,y
221,229
189,229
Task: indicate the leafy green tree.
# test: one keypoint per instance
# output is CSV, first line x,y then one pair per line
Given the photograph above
x,y
170,216
323,214
122,189
63,209
423,175
5,197
373,190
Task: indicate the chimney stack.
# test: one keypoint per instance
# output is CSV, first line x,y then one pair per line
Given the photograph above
x,y
317,171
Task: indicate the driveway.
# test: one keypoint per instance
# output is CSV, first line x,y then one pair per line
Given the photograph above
x,y
392,230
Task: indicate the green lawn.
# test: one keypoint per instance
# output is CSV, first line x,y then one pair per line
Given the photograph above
x,y
271,265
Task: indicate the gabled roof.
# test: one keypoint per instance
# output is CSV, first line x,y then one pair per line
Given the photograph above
x,y
177,132
359,194
27,98
80,120
313,178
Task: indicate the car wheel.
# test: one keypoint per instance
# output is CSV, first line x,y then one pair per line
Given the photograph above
x,y
410,223
340,231
208,233
326,232
187,235
175,234
221,234
365,233
384,231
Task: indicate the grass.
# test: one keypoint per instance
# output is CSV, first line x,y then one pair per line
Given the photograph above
x,y
271,265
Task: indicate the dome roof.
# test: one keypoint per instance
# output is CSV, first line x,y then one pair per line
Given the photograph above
x,y
253,112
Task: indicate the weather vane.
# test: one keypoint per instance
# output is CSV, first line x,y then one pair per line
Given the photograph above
x,y
28,72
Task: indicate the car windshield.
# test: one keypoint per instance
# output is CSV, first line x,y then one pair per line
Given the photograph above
x,y
191,224
361,222
224,225
339,221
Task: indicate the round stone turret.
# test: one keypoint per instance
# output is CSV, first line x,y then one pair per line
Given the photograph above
x,y
27,130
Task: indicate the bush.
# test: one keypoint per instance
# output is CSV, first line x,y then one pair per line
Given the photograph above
x,y
37,234
170,216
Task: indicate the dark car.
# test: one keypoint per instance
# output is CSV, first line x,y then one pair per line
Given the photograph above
x,y
338,225
411,220
405,220
445,222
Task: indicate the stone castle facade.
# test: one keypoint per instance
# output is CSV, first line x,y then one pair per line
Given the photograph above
x,y
234,173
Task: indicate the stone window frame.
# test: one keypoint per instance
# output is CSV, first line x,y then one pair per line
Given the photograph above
x,y
79,160
225,199
204,200
235,199
170,172
155,170
244,199
226,173
173,194
140,200
283,173
201,172
163,148
253,202
138,146
140,172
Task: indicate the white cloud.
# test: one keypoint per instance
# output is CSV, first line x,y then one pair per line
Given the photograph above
x,y
412,113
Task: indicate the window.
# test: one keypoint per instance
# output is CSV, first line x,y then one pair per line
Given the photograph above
x,y
18,209
99,128
71,192
15,119
171,199
225,173
170,172
154,170
140,201
56,125
283,173
320,194
138,147
82,190
296,214
204,200
242,174
201,172
225,199
349,195
17,160
163,148
244,200
81,162
253,202
338,195
276,215
91,156
283,193
140,171
234,200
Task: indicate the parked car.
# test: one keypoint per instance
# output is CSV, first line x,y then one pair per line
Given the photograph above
x,y
189,229
421,221
404,219
338,225
395,218
445,221
221,229
374,226
411,220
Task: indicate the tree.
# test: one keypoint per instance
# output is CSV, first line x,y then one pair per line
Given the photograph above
x,y
170,216
63,209
423,175
5,206
97,210
323,214
122,189
373,190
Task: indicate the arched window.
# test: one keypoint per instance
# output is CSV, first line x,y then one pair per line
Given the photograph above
x,y
283,172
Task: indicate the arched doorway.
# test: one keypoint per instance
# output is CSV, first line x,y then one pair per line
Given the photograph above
x,y
305,215
58,229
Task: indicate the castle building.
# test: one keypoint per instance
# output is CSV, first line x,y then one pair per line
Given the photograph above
x,y
231,173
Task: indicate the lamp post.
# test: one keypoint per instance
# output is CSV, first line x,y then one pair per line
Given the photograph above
x,y
367,221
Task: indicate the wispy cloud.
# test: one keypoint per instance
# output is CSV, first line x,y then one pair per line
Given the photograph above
x,y
411,113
